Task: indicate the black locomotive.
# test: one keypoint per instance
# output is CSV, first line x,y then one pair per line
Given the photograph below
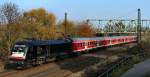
x,y
35,52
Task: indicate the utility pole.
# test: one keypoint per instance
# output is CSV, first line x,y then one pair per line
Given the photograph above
x,y
65,23
87,21
139,30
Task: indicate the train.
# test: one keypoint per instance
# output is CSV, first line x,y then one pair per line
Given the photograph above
x,y
36,52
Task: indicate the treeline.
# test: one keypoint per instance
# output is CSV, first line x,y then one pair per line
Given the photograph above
x,y
36,23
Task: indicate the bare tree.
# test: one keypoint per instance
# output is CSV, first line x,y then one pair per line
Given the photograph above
x,y
9,16
9,12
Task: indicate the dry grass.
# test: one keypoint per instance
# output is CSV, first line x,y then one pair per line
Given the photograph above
x,y
146,47
1,66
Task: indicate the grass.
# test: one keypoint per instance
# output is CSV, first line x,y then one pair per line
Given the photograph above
x,y
118,71
122,69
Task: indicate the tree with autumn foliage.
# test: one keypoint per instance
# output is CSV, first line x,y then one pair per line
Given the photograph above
x,y
40,16
70,27
85,30
41,23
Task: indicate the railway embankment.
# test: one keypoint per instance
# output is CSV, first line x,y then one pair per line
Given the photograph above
x,y
86,65
109,60
130,66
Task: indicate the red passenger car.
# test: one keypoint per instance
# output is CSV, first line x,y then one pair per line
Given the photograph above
x,y
82,44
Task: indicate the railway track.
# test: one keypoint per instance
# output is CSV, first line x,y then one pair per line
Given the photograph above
x,y
53,72
59,69
55,69
25,72
65,69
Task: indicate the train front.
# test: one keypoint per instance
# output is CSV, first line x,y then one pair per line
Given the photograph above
x,y
18,55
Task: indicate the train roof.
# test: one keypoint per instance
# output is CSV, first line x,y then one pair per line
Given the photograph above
x,y
40,42
97,38
56,42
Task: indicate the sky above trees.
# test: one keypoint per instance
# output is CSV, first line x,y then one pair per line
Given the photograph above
x,y
83,9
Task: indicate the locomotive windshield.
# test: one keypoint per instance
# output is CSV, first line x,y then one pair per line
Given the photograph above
x,y
19,48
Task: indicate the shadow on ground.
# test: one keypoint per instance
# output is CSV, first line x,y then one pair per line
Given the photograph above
x,y
79,63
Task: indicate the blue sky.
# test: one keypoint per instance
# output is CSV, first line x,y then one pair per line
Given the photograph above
x,y
79,10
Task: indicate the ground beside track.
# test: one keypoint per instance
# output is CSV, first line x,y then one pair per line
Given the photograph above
x,y
1,66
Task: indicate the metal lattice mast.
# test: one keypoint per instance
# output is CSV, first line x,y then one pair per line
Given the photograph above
x,y
139,30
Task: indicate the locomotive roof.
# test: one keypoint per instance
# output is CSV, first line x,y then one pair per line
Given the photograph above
x,y
40,42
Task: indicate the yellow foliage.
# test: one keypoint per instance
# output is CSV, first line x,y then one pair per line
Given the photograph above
x,y
40,16
70,28
85,30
